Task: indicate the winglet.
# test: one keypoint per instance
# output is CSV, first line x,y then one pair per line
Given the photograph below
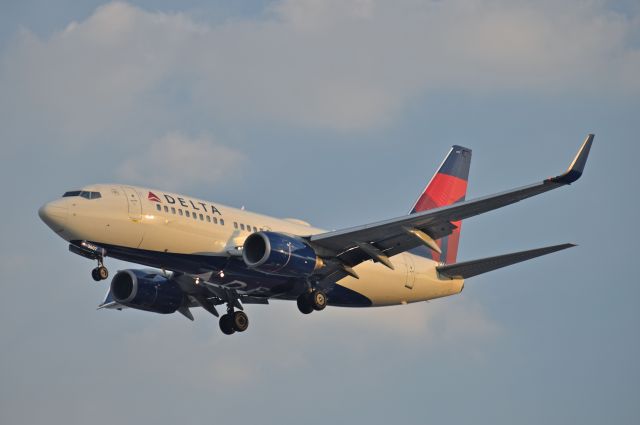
x,y
576,168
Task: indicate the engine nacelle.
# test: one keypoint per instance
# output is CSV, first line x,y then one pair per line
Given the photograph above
x,y
280,254
143,290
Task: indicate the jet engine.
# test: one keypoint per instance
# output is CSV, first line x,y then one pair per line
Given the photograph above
x,y
144,290
280,254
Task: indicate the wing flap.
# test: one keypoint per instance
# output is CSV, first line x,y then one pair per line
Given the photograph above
x,y
472,268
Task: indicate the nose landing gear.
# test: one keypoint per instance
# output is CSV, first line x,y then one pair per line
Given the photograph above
x,y
93,252
99,273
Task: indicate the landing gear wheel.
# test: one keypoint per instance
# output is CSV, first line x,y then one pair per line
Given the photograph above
x,y
240,321
103,273
318,300
226,324
99,273
304,304
95,275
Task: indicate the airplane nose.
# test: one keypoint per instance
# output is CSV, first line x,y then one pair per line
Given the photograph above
x,y
54,214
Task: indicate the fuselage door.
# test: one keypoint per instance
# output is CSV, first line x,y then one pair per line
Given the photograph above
x,y
411,271
133,203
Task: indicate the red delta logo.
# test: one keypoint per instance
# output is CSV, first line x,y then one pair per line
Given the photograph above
x,y
153,197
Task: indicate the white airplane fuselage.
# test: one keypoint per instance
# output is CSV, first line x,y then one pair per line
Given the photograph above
x,y
183,234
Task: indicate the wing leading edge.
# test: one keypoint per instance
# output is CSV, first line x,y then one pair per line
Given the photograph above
x,y
397,235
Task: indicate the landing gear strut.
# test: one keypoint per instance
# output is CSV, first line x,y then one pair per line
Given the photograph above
x,y
234,321
310,301
100,272
92,252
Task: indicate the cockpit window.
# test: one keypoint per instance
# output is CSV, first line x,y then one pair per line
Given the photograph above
x,y
83,193
90,195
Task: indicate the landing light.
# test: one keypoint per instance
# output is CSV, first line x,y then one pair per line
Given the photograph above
x,y
149,217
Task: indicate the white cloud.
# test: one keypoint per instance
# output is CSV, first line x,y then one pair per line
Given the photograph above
x,y
345,65
176,161
320,14
94,74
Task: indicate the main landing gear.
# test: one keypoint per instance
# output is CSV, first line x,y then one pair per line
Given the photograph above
x,y
310,301
100,272
234,321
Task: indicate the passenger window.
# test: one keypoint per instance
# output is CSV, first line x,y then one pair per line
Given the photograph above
x,y
255,229
222,221
241,226
208,219
180,211
195,216
248,228
166,209
158,207
201,217
187,214
215,220
173,210
235,225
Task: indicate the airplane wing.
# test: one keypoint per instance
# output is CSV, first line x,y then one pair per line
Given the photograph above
x,y
381,240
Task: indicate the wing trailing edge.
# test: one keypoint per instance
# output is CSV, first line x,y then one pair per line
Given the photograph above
x,y
472,268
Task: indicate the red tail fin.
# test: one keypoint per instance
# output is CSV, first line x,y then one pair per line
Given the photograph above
x,y
447,186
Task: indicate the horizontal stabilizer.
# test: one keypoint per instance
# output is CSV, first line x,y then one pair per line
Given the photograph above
x,y
468,269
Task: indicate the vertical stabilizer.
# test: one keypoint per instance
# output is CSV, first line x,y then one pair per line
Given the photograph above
x,y
447,186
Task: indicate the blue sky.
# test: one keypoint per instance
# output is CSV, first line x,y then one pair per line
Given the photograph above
x,y
337,113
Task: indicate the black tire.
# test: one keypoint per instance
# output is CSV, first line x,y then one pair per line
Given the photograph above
x,y
103,273
304,305
226,324
95,275
318,299
240,321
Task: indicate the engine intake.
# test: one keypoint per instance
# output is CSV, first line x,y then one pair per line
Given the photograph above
x,y
147,291
280,254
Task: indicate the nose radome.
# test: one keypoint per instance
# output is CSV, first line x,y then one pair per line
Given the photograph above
x,y
54,214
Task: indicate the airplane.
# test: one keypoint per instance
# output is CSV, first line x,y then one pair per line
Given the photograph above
x,y
205,254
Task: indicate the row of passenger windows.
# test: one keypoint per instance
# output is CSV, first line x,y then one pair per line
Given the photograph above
x,y
247,227
83,193
187,213
204,217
